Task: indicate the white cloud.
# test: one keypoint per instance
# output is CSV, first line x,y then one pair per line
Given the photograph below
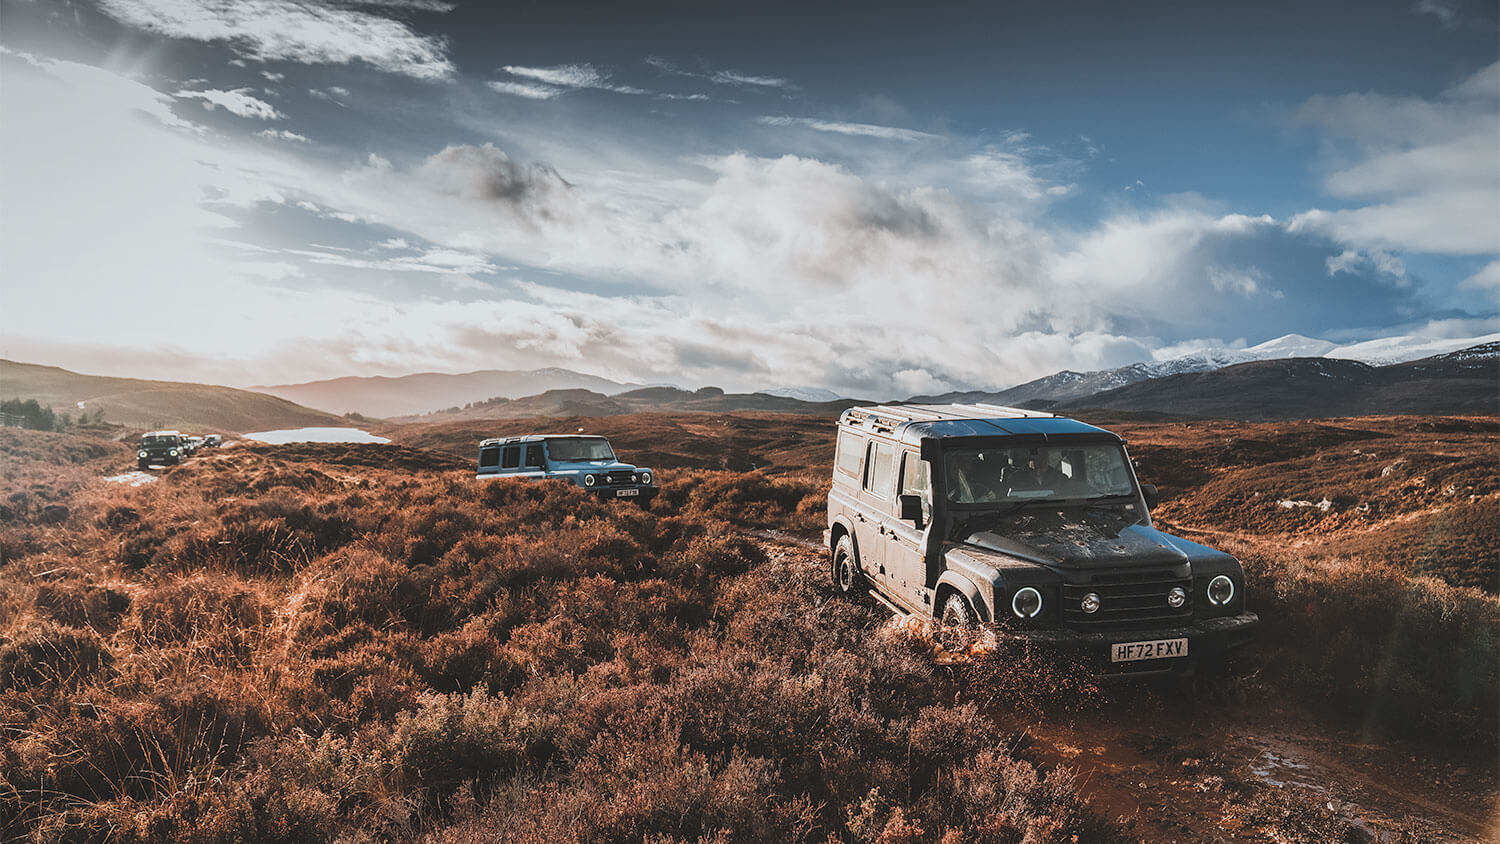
x,y
287,30
1244,281
565,76
1486,279
722,77
282,135
745,80
1427,169
525,89
236,102
1446,11
866,130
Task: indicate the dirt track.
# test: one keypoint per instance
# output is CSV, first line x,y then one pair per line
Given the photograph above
x,y
1212,761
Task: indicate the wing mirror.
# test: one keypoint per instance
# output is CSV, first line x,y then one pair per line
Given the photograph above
x,y
1148,492
910,509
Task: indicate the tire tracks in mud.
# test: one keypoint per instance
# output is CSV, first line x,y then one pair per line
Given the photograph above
x,y
1206,762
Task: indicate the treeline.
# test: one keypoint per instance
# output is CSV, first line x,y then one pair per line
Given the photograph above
x,y
15,413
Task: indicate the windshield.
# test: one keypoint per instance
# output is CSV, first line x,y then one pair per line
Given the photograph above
x,y
580,448
1029,473
162,440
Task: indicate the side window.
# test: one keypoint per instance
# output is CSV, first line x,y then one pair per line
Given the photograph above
x,y
851,453
916,479
489,457
534,456
510,457
879,469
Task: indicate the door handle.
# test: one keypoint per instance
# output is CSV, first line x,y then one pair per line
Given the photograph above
x,y
860,516
881,529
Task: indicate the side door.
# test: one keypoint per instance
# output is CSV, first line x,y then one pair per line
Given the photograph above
x,y
875,501
489,459
510,459
533,463
906,541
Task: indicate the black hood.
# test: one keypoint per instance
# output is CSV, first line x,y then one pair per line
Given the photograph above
x,y
1078,538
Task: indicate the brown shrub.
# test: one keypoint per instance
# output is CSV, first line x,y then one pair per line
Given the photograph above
x,y
52,655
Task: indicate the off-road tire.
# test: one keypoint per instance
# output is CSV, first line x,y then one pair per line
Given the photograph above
x,y
143,464
848,580
958,625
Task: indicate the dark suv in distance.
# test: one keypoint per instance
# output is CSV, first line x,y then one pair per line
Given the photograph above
x,y
1032,523
587,461
163,448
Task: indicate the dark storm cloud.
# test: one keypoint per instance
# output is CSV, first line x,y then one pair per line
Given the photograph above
x,y
488,174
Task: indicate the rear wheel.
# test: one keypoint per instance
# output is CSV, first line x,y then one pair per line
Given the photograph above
x,y
847,578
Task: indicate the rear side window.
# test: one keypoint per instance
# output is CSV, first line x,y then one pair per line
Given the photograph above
x,y
880,469
489,458
915,480
510,457
851,453
534,456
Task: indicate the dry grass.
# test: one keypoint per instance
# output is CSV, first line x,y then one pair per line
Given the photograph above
x,y
274,645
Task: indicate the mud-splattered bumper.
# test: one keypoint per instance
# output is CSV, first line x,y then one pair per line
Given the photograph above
x,y
1207,640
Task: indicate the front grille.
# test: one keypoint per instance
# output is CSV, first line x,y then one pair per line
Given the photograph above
x,y
1128,600
617,478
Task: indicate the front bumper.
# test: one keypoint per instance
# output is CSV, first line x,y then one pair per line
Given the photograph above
x,y
1208,640
632,493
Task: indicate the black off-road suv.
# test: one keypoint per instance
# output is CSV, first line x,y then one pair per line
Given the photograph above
x,y
1035,524
162,448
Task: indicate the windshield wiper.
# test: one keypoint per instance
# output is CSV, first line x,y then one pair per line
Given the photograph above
x,y
968,527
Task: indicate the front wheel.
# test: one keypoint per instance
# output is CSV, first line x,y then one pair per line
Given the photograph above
x,y
847,578
958,625
144,464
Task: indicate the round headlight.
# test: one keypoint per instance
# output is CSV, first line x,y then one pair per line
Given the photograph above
x,y
645,477
1091,602
142,454
1026,603
1177,597
588,480
1220,590
172,452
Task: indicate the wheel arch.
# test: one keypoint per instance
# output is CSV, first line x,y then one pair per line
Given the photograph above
x,y
952,582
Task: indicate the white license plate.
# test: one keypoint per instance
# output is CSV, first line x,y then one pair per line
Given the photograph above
x,y
1158,649
626,493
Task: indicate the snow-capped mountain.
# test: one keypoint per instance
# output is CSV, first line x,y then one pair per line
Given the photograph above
x,y
1068,384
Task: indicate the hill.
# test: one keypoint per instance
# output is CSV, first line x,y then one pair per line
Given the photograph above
x,y
1462,382
643,400
137,403
424,392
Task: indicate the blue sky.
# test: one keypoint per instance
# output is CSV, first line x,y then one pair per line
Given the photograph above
x,y
880,199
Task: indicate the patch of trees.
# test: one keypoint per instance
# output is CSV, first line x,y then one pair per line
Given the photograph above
x,y
15,413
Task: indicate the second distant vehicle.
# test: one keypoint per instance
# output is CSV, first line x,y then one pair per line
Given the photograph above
x,y
163,448
587,461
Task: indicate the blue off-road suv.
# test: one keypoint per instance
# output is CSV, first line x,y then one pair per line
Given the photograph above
x,y
586,461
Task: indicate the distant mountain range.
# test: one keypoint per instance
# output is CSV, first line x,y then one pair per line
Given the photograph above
x,y
1462,382
1311,382
1067,384
137,403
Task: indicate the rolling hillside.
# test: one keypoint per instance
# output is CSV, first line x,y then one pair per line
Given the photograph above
x,y
644,400
137,403
425,392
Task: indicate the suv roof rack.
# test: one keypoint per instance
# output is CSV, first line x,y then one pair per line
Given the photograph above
x,y
884,418
533,438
